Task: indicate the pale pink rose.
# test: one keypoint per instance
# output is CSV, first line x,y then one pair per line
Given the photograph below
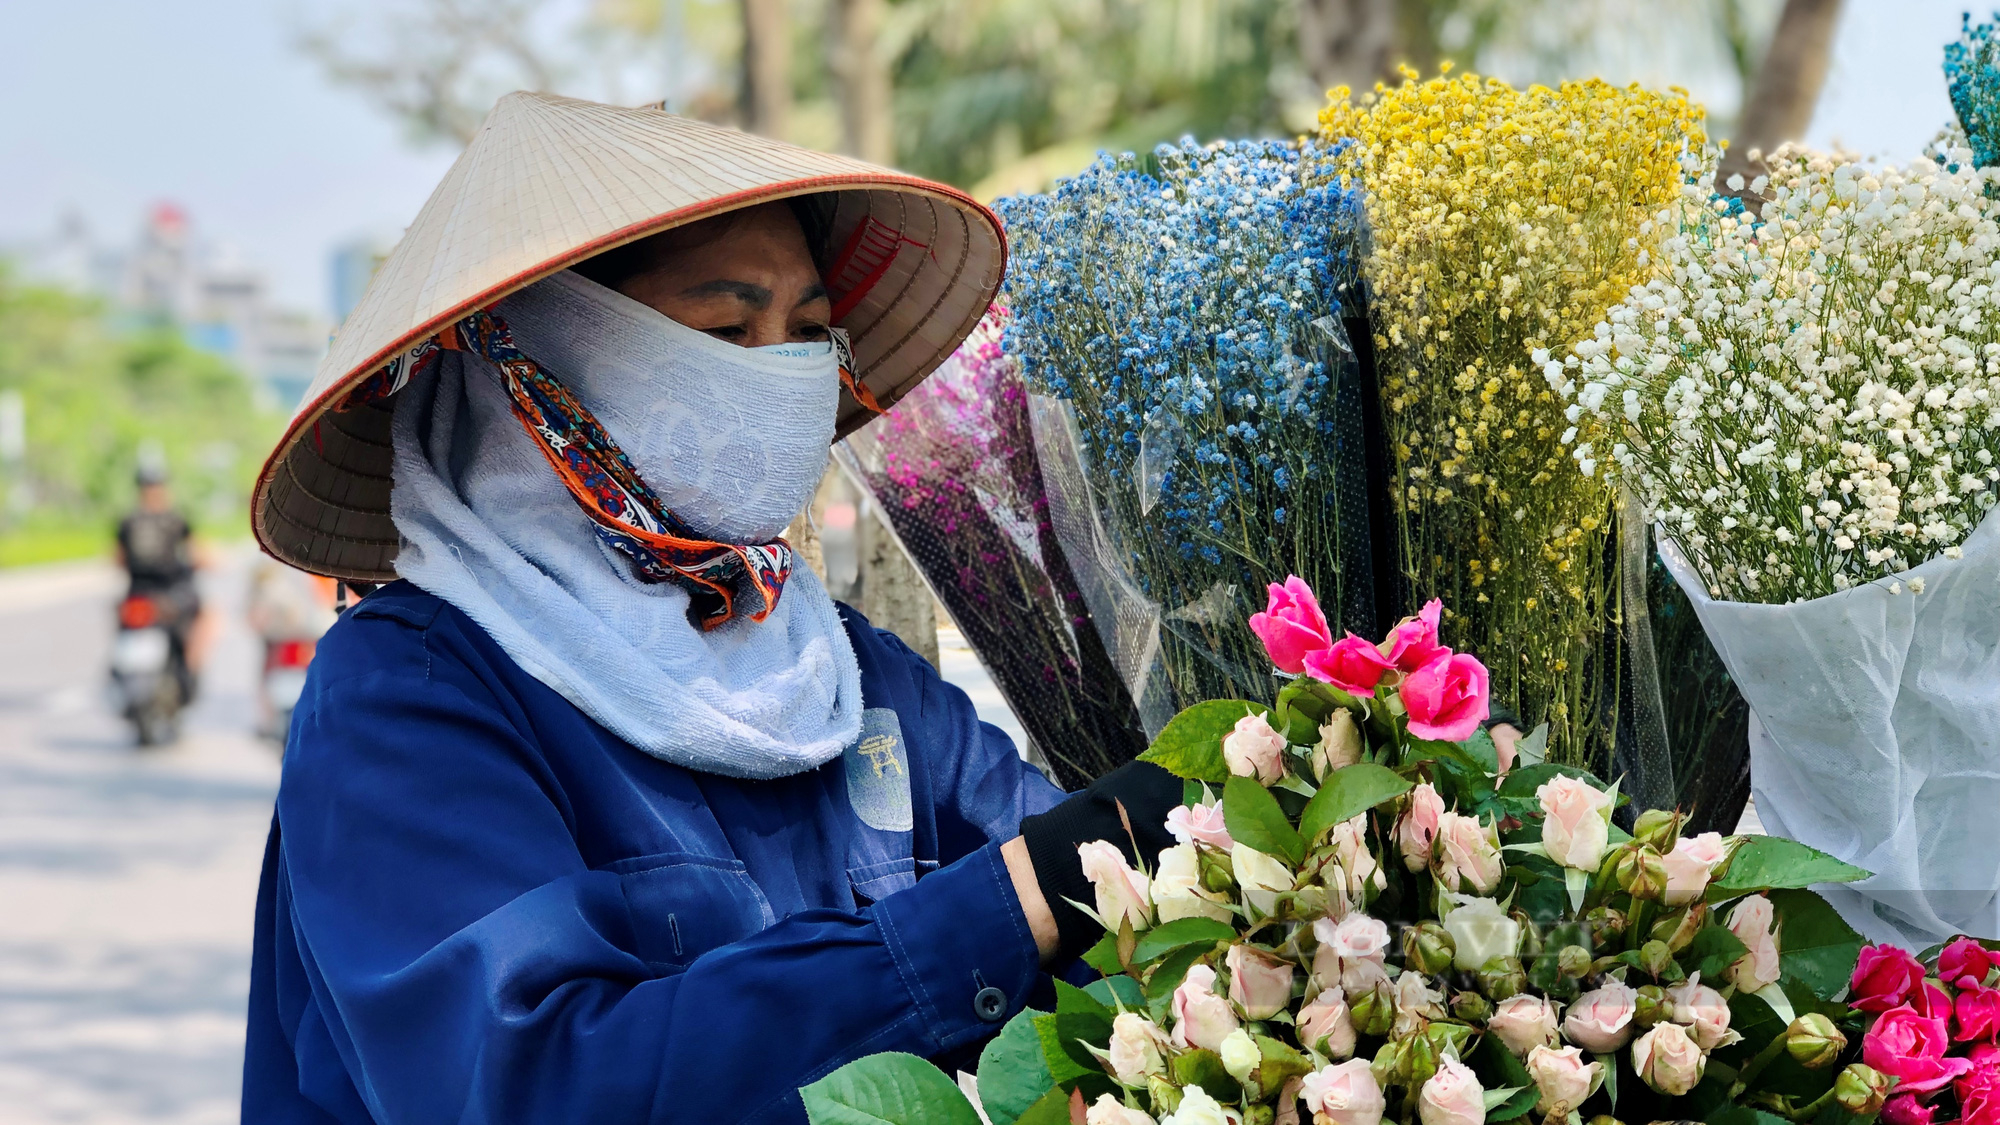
x,y
1292,625
1259,983
1417,1003
1352,665
1177,891
1351,955
1574,829
1756,927
1709,847
1288,1102
1340,743
1253,749
1453,1096
1417,829
1327,1018
1506,739
1704,1012
1108,1110
1201,1018
1350,848
1480,930
1199,824
1468,857
1563,1077
1260,877
1414,641
1687,876
1446,699
1668,1060
1198,1108
1601,1021
1524,1022
1345,1093
1121,891
1136,1046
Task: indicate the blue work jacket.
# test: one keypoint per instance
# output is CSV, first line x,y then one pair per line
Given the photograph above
x,y
479,906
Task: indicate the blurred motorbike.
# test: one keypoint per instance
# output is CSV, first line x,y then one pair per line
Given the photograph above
x,y
149,675
289,610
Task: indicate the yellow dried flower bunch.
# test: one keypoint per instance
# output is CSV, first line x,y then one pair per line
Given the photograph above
x,y
1506,220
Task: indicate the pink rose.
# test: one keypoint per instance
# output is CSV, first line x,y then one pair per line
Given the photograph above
x,y
1253,749
1690,865
1469,857
1345,1093
1709,847
1704,1012
1979,1090
1352,665
1755,926
1575,828
1931,1003
1884,977
1978,1013
1260,984
1446,699
1200,824
1417,829
1292,626
1911,1049
1356,937
1121,891
1668,1060
1108,1110
1453,1096
1357,860
1353,976
1417,1003
1905,1109
1414,642
1524,1022
1563,1077
1506,736
1965,963
1201,1018
1327,1018
1601,1021
1137,1049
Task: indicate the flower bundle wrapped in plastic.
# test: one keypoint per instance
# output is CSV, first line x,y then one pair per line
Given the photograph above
x,y
1506,220
1373,911
1183,313
953,468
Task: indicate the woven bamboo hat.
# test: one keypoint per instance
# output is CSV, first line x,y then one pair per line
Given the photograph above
x,y
549,181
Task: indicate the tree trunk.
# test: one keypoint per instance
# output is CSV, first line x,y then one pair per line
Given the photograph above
x,y
1780,105
893,594
867,114
1348,43
767,67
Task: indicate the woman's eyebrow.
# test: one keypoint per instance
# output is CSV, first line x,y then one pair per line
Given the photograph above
x,y
754,295
814,292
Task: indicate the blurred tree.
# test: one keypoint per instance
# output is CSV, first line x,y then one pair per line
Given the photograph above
x,y
767,67
1780,104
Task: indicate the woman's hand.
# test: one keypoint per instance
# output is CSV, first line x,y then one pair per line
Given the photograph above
x,y
1138,793
1041,922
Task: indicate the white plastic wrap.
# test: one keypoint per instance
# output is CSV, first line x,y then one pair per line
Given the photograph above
x,y
1876,735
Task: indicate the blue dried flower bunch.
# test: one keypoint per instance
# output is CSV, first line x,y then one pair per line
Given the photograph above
x,y
1972,73
1189,309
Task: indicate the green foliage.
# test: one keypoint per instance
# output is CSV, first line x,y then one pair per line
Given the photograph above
x,y
1190,745
884,1089
1179,933
1816,946
1347,793
1012,1072
1767,862
1255,820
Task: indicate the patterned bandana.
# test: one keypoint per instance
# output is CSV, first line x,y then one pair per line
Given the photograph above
x,y
723,580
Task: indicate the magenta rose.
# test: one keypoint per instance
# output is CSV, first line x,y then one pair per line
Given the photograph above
x,y
1931,1002
1979,1091
1446,698
1884,977
1907,1110
1292,626
1965,963
1911,1049
1977,1013
1414,643
1351,664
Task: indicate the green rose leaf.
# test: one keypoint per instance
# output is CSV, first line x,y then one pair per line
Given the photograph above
x,y
1062,1067
1509,1102
887,1089
1190,745
1814,944
1203,1067
1254,819
1524,780
1104,956
1167,937
1012,1071
1762,863
1168,975
1280,1062
1116,990
1711,951
1347,793
1480,748
1051,1109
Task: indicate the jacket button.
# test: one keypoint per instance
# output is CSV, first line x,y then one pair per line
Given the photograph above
x,y
989,1004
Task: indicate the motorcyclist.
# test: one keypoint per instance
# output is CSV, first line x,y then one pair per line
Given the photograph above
x,y
156,549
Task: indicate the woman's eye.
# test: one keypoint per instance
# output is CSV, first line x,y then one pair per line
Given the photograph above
x,y
727,332
812,331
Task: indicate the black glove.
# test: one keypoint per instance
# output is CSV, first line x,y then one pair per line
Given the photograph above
x,y
1148,794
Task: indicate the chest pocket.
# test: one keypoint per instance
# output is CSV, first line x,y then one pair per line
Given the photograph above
x,y
880,858
682,906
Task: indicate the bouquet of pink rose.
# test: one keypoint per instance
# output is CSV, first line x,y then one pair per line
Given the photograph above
x,y
1933,1022
1374,911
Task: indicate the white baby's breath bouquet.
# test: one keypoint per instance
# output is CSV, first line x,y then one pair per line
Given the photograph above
x,y
1807,394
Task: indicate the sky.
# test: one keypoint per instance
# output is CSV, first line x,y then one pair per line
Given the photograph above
x,y
108,106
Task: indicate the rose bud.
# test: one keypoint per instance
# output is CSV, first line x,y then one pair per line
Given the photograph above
x,y
1678,929
1642,873
1428,948
1604,1119
1262,877
1523,1023
1659,829
1468,854
1201,1018
1339,744
1108,1110
1472,1007
1563,1078
1345,1093
1175,881
1704,1012
1260,984
1966,964
1755,926
1198,1108
1417,828
1240,1055
1687,872
1292,626
1813,1041
1373,1012
1884,977
1651,1006
1606,925
1574,962
1575,822
1253,749
1860,1089
1416,1062
1165,1096
1452,1096
1667,1060
1502,977
1417,1004
1656,958
1480,931
1326,1025
1601,1021
1122,893
1136,1043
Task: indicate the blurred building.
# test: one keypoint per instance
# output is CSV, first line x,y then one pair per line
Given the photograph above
x,y
352,266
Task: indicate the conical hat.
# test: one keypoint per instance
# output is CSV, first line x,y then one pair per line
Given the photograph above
x,y
549,181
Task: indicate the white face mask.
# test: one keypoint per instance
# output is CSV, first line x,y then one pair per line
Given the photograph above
x,y
734,440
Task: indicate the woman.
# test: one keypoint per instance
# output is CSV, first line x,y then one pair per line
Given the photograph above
x,y
604,811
